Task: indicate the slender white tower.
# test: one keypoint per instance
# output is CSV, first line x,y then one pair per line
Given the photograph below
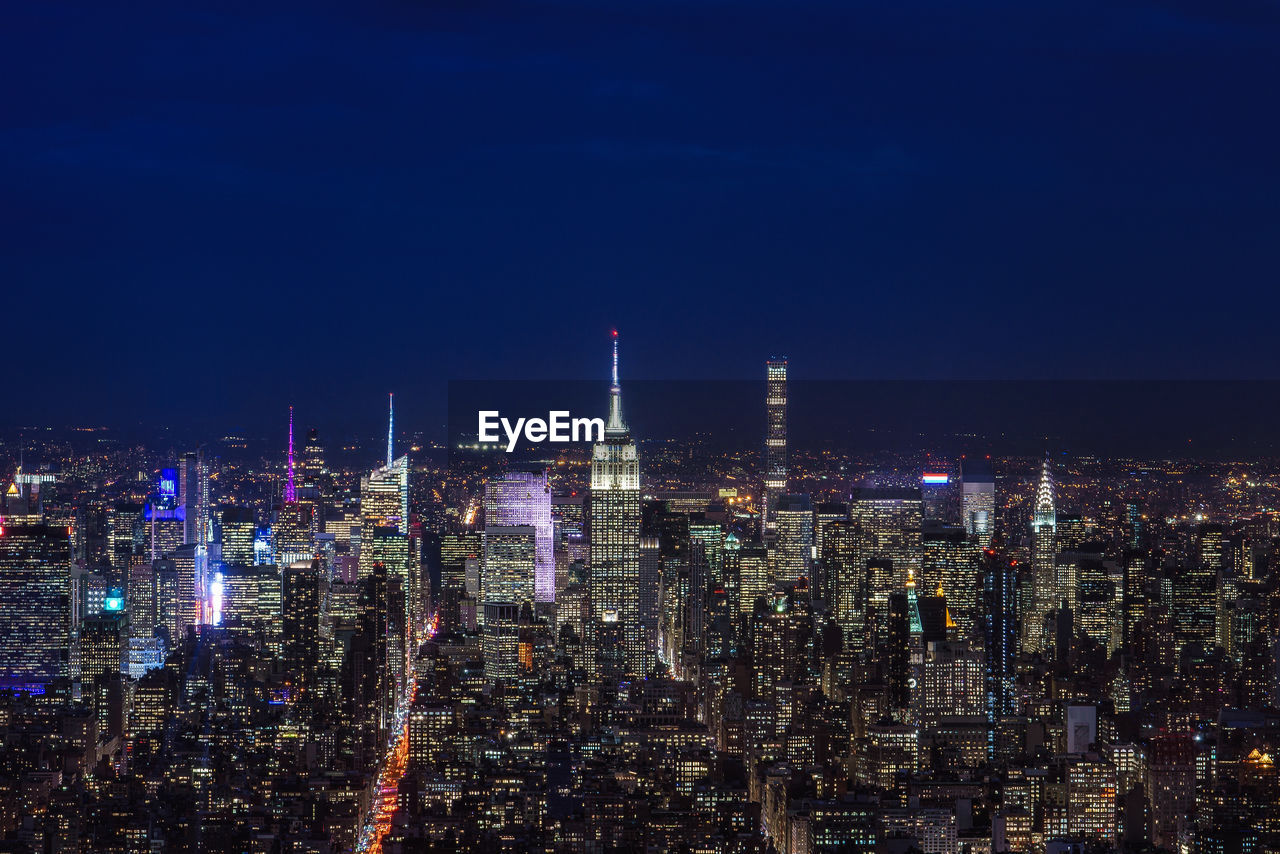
x,y
391,426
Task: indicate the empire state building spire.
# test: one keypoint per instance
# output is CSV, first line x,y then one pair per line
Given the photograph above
x,y
615,425
290,489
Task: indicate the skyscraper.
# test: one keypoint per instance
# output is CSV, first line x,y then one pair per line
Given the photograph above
x,y
1044,528
35,610
522,497
125,534
949,565
793,521
384,496
238,530
1000,633
314,471
978,499
775,443
292,532
510,561
384,504
165,517
615,533
191,588
846,573
194,496
300,605
102,649
890,522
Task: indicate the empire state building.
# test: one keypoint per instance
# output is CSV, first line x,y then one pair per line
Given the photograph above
x,y
614,528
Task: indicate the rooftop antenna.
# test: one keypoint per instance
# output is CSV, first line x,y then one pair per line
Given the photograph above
x,y
391,423
290,490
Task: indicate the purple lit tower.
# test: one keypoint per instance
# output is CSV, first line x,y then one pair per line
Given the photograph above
x,y
290,489
523,497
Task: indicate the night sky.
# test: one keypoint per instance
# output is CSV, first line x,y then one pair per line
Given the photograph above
x,y
212,210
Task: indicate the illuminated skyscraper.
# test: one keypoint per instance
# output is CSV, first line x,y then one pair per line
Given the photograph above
x,y
615,535
164,577
1091,799
1193,603
890,522
500,639
35,608
384,496
775,443
102,646
823,515
194,496
978,499
291,535
1135,565
315,474
300,605
125,534
793,520
846,573
522,497
1044,529
384,492
165,517
952,682
949,565
238,531
510,561
455,550
140,597
103,654
385,542
191,587
1000,632
938,494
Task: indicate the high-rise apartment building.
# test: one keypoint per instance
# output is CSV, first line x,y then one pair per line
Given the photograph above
x,y
775,442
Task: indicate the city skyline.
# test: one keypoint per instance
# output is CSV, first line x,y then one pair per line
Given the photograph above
x,y
837,651
585,426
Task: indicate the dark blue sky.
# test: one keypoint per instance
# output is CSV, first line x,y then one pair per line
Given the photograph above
x,y
218,208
